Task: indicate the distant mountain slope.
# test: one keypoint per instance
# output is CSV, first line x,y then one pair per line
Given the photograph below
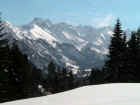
x,y
78,47
107,94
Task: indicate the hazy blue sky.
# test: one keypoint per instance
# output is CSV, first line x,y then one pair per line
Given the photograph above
x,y
94,12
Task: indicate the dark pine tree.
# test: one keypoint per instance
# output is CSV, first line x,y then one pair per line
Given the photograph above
x,y
70,80
64,84
6,90
123,72
133,64
20,73
138,56
96,76
52,78
114,65
92,77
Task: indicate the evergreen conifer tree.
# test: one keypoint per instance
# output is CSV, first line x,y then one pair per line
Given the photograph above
x,y
133,64
114,65
52,77
6,89
92,77
71,80
21,73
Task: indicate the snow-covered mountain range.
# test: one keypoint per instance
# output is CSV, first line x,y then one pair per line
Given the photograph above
x,y
78,47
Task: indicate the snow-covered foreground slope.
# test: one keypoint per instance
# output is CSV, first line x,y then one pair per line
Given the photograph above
x,y
108,94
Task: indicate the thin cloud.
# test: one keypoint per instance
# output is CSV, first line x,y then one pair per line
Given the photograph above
x,y
103,21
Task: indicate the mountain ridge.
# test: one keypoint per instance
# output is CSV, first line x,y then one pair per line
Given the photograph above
x,y
76,47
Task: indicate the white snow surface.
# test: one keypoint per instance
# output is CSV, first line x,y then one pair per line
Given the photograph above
x,y
107,94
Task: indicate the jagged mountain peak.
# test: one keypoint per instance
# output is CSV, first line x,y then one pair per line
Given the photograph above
x,y
41,22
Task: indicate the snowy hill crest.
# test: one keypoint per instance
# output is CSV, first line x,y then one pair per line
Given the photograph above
x,y
107,94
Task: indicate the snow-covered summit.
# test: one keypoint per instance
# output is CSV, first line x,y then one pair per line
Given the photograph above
x,y
107,94
77,46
